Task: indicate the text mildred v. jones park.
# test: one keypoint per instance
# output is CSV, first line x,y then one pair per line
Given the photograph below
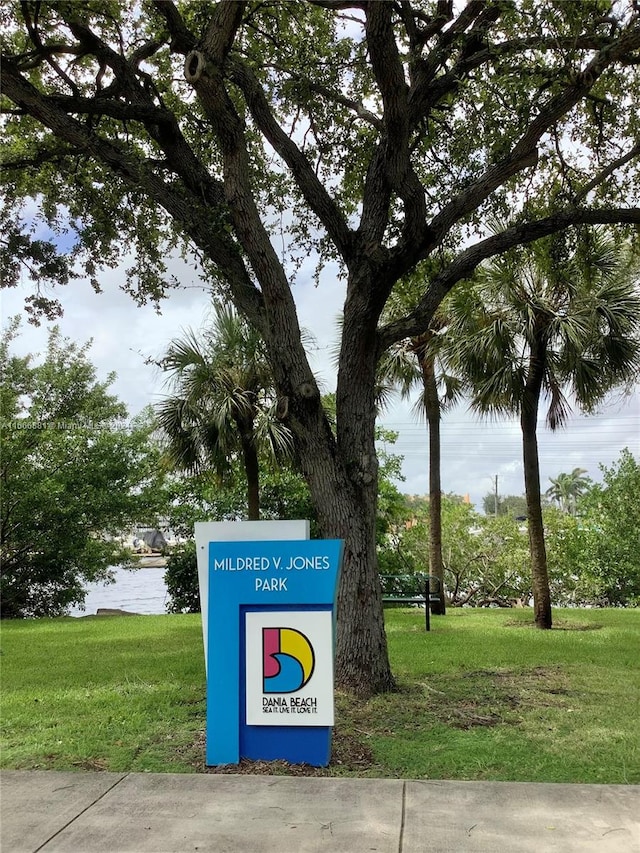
x,y
264,564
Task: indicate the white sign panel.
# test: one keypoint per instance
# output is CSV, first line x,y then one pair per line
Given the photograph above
x,y
289,668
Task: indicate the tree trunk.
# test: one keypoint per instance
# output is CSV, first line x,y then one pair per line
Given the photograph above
x,y
251,464
432,408
252,470
528,422
362,662
342,473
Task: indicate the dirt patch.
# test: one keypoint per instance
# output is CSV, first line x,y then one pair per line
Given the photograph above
x,y
266,768
469,718
349,753
491,697
558,625
91,764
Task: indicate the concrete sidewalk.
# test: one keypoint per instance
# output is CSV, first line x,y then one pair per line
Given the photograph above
x,y
178,813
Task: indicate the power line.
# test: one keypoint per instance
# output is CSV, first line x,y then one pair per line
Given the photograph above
x,y
470,423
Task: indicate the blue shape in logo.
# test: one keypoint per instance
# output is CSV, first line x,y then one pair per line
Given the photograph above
x,y
288,679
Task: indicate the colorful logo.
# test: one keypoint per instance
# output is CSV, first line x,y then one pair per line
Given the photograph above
x,y
288,660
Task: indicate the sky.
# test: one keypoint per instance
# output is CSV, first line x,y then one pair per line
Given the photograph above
x,y
474,452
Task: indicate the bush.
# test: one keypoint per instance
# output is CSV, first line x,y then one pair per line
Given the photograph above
x,y
181,578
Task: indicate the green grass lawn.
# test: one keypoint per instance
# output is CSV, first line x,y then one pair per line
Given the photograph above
x,y
482,696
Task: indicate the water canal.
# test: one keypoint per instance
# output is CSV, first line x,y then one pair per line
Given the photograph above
x,y
141,591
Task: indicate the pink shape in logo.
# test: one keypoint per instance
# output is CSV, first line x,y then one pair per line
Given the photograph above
x,y
270,647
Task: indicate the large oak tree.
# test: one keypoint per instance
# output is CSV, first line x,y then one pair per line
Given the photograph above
x,y
382,135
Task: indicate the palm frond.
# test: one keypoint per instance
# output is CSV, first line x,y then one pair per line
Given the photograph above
x,y
452,390
559,409
184,354
221,384
398,367
183,444
273,436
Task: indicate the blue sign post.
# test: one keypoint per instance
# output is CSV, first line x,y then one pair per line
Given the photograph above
x,y
271,617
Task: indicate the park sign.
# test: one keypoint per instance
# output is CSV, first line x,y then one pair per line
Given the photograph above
x,y
270,639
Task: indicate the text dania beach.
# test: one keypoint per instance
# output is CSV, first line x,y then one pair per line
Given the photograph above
x,y
263,564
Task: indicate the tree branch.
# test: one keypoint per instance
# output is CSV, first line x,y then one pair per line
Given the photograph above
x,y
113,108
388,70
145,51
136,84
159,123
34,58
417,321
429,90
434,23
339,5
313,190
190,210
391,169
606,172
524,152
280,326
423,93
358,108
56,155
182,39
221,30
34,35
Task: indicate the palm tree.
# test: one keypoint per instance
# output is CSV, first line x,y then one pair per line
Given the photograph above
x,y
222,403
537,324
412,363
566,488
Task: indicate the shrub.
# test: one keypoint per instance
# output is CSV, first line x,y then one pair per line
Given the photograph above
x,y
181,578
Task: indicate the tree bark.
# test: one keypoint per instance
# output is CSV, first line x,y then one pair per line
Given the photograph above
x,y
432,409
251,468
528,422
362,661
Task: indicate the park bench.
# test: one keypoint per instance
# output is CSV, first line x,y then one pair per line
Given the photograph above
x,y
412,589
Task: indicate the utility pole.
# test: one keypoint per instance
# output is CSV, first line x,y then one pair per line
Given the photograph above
x,y
495,498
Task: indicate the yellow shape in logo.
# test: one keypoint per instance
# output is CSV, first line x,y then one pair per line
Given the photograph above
x,y
295,643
